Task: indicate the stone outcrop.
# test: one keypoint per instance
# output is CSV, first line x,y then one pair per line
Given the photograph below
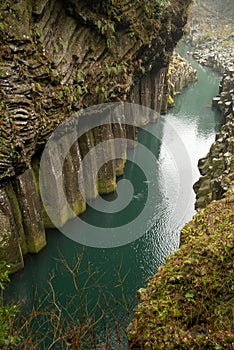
x,y
217,168
214,55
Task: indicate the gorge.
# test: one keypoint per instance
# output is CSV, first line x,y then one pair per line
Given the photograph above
x,y
132,263
51,74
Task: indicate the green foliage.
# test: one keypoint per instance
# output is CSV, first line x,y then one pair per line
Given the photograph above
x,y
156,8
105,27
7,312
56,48
4,275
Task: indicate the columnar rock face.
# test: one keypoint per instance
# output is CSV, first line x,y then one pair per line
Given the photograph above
x,y
58,57
217,168
152,91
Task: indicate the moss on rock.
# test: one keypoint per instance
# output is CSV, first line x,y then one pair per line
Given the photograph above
x,y
189,303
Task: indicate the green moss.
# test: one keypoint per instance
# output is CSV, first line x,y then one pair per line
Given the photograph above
x,y
61,221
79,206
106,186
47,222
91,191
119,166
36,243
189,303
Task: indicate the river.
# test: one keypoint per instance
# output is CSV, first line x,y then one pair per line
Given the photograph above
x,y
109,278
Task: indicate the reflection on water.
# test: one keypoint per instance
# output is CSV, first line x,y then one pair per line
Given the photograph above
x,y
172,175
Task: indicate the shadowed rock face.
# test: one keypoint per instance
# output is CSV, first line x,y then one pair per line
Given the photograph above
x,y
59,56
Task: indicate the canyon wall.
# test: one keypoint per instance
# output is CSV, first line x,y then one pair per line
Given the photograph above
x,y
59,57
217,167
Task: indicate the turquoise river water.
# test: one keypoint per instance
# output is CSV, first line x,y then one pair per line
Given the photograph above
x,y
108,279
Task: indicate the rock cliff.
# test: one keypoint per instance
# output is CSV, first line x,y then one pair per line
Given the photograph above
x,y
58,57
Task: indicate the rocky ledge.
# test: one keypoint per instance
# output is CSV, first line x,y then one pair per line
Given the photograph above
x,y
217,167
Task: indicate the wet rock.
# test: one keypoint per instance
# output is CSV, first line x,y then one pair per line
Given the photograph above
x,y
119,131
73,179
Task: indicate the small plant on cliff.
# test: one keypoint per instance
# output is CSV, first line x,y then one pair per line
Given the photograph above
x,y
107,29
156,8
7,313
